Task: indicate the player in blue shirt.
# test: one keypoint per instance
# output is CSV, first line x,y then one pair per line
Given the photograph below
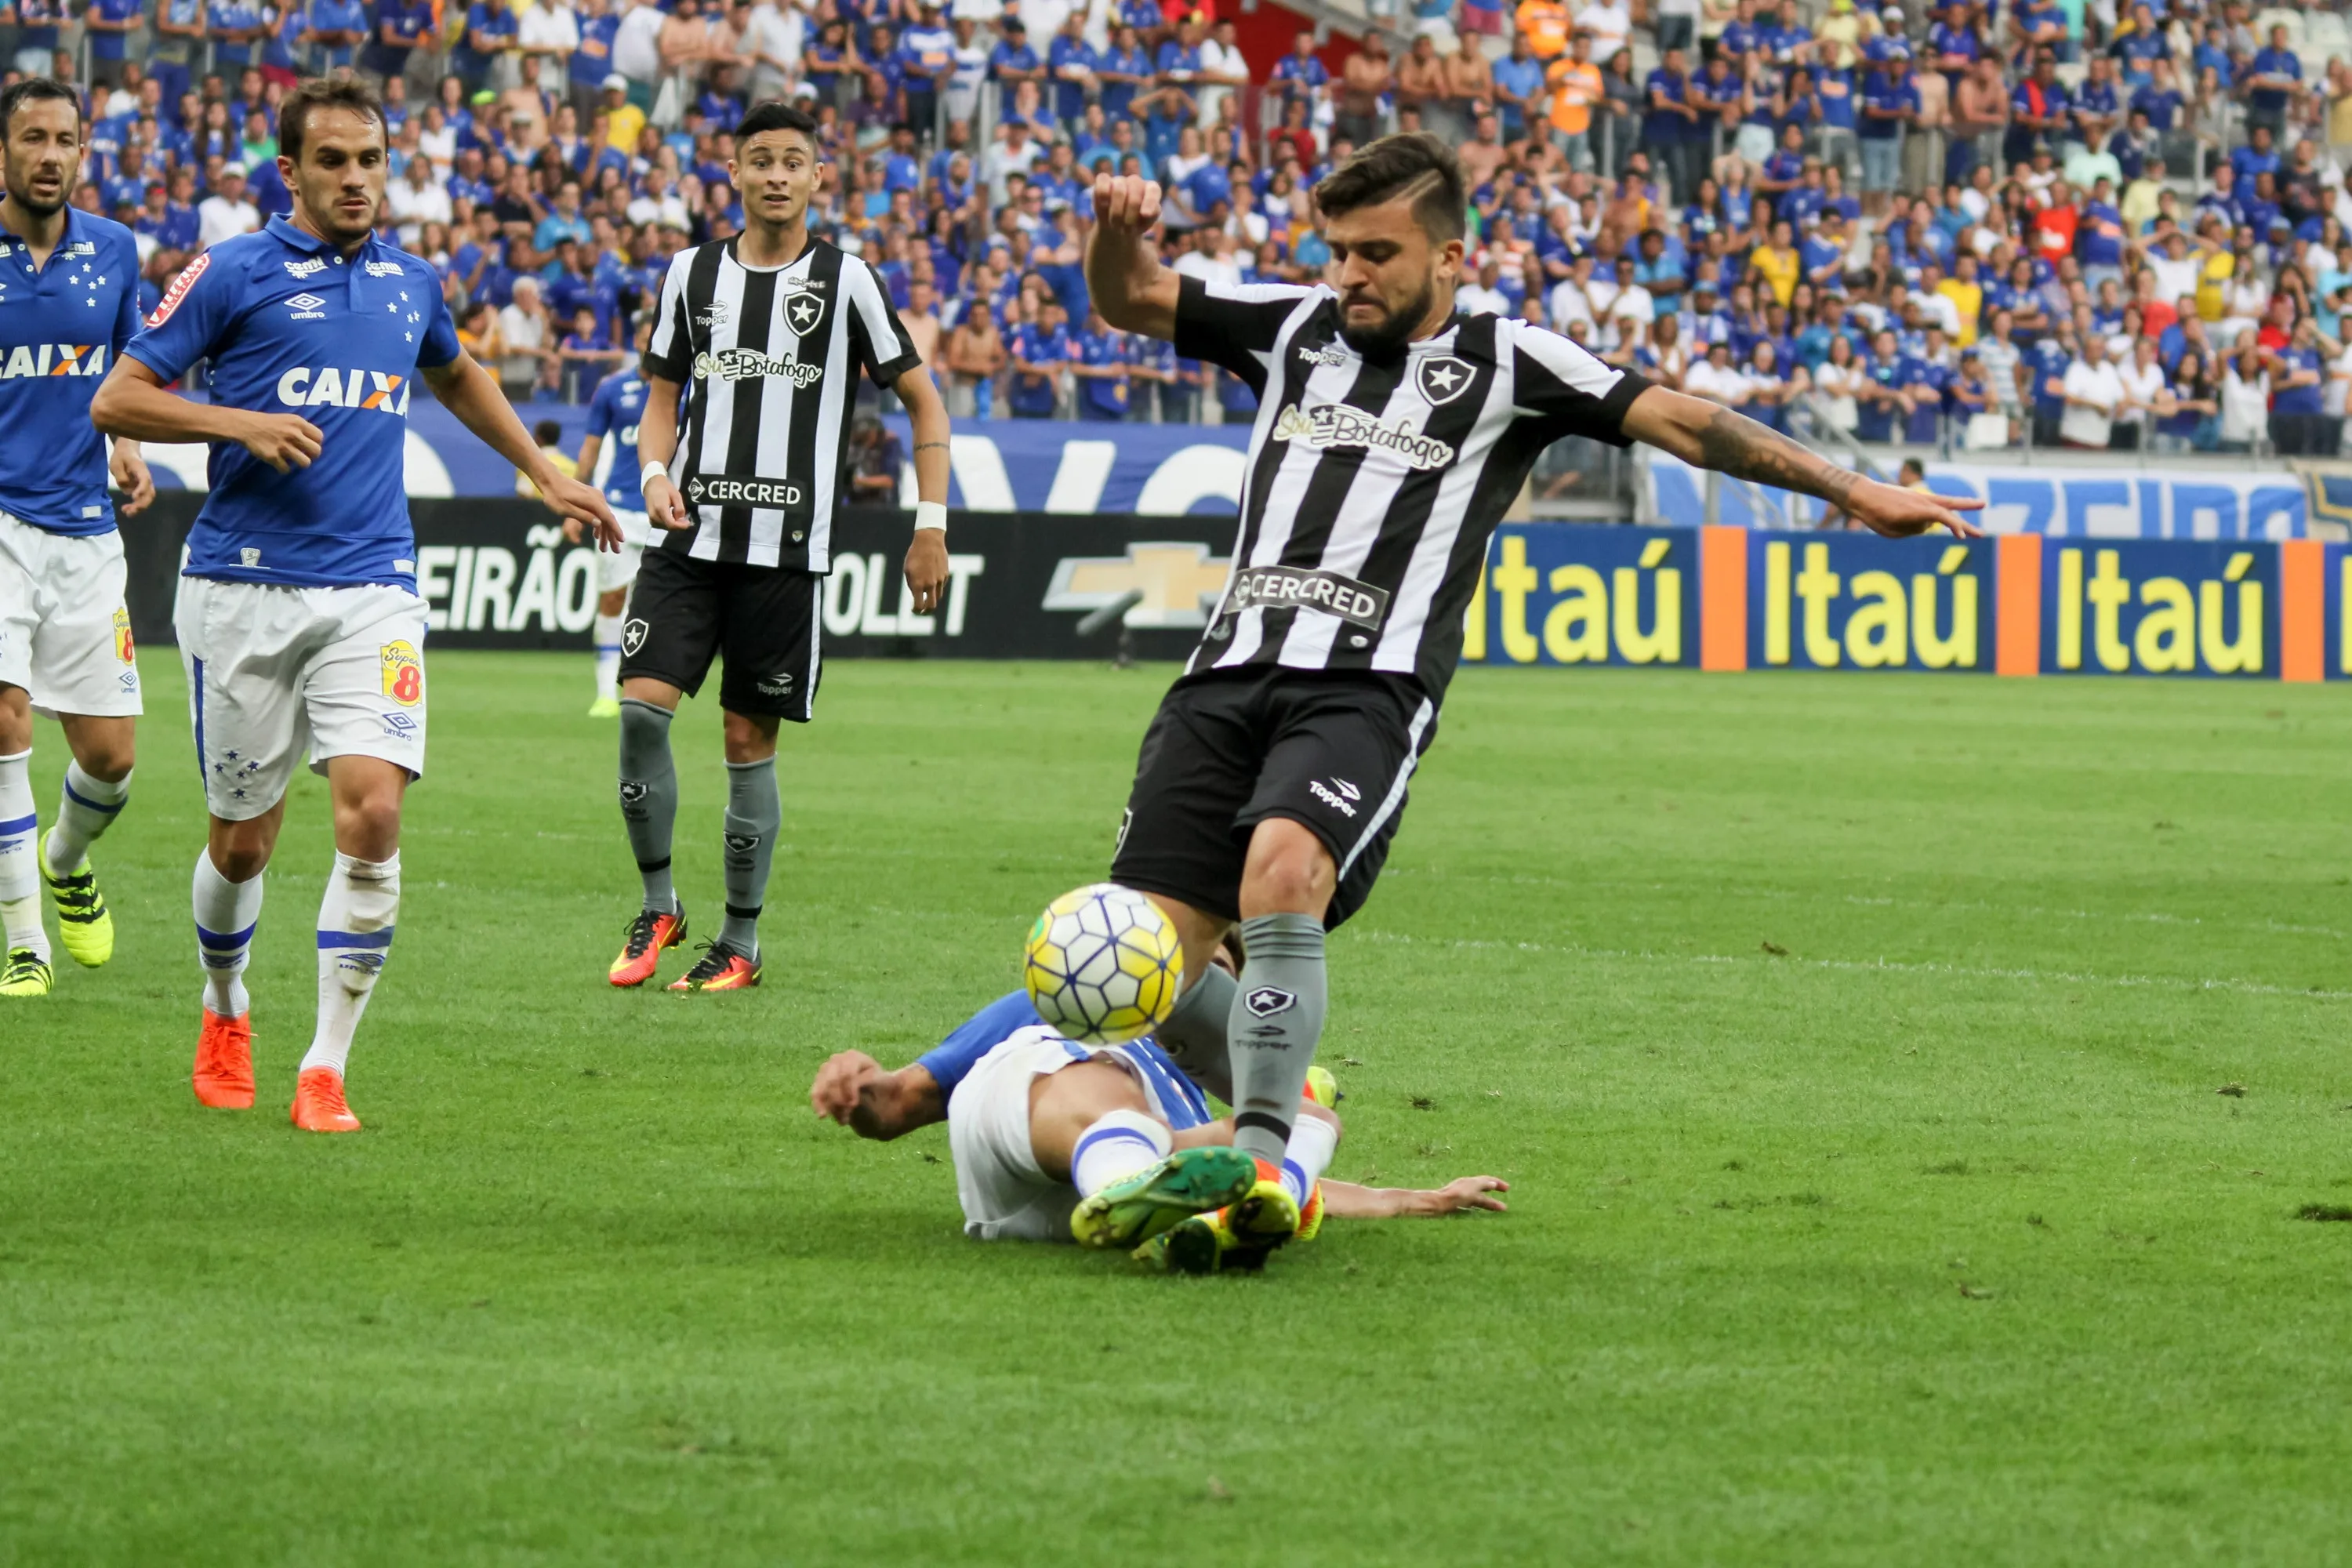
x,y
613,415
1109,1146
298,616
68,303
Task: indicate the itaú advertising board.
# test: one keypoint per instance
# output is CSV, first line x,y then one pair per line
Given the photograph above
x,y
1727,598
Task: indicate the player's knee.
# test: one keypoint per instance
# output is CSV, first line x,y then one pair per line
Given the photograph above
x,y
108,760
240,850
368,825
1288,871
749,738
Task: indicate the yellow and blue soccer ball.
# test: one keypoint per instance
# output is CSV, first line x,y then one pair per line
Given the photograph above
x,y
1104,964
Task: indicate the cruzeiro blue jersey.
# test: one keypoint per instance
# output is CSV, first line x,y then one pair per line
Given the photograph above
x,y
293,326
1173,1097
67,320
613,415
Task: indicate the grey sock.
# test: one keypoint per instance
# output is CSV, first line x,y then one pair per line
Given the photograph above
x,y
1194,1035
1277,1018
648,798
753,814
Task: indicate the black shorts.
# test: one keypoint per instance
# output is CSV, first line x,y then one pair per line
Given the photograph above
x,y
1227,750
763,621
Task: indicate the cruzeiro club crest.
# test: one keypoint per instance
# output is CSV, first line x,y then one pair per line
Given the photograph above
x,y
1441,378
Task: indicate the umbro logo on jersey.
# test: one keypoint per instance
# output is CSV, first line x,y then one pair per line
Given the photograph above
x,y
54,359
1337,425
384,269
306,308
1441,378
1267,1000
303,387
309,268
743,364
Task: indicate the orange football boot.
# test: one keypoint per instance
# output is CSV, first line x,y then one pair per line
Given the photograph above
x,y
318,1102
721,968
223,1075
640,954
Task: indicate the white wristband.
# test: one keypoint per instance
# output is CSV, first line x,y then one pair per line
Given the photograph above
x,y
648,474
931,514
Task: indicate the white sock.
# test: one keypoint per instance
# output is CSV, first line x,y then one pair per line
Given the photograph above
x,y
356,924
1308,1155
608,654
1115,1148
227,914
86,808
20,883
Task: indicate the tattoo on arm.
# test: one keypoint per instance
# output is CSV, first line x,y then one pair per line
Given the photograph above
x,y
930,446
1734,444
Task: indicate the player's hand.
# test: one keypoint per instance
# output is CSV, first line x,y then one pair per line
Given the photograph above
x,y
129,472
1128,206
580,504
571,531
1460,1194
927,569
665,507
1900,513
284,441
842,1084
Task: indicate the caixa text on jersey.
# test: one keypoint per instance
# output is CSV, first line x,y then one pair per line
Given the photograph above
x,y
306,387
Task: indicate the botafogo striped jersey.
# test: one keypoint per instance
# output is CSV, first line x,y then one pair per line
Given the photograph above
x,y
1373,486
769,357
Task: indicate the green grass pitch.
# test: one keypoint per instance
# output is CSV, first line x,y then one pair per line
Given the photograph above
x,y
1859,1049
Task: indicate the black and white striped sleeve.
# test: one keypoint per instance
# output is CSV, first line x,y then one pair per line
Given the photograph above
x,y
670,353
884,345
1562,386
1234,325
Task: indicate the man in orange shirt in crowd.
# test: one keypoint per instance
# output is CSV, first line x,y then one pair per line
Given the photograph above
x,y
2054,226
1575,84
1544,25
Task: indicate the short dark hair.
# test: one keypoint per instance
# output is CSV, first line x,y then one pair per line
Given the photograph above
x,y
775,114
35,90
1415,164
316,93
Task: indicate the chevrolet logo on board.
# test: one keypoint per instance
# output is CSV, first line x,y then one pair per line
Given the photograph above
x,y
1180,584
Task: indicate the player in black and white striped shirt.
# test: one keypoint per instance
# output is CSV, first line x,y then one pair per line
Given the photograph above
x,y
752,380
1392,434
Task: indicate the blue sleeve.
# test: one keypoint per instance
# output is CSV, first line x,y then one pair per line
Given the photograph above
x,y
197,309
440,345
951,1060
600,408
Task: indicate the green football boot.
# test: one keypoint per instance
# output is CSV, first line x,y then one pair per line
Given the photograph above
x,y
84,927
1154,1198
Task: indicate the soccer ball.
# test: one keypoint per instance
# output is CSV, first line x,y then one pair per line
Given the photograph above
x,y
1103,964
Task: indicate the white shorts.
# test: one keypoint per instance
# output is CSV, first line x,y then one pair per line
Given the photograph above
x,y
1005,1196
619,569
273,670
65,634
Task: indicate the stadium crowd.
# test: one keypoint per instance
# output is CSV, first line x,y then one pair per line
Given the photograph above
x,y
2053,221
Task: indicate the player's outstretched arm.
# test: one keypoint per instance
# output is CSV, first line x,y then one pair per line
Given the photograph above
x,y
1346,1200
1712,436
1124,278
926,557
131,405
852,1090
467,390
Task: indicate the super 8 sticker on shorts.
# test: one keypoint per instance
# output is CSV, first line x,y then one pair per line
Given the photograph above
x,y
123,648
404,674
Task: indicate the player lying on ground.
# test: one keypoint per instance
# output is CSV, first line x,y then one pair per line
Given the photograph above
x,y
299,618
65,634
763,336
1390,435
1108,1146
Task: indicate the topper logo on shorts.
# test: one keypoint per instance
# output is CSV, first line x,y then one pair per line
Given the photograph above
x,y
1323,793
1321,425
778,685
1267,1000
741,365
633,636
54,359
403,673
303,387
179,288
123,648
